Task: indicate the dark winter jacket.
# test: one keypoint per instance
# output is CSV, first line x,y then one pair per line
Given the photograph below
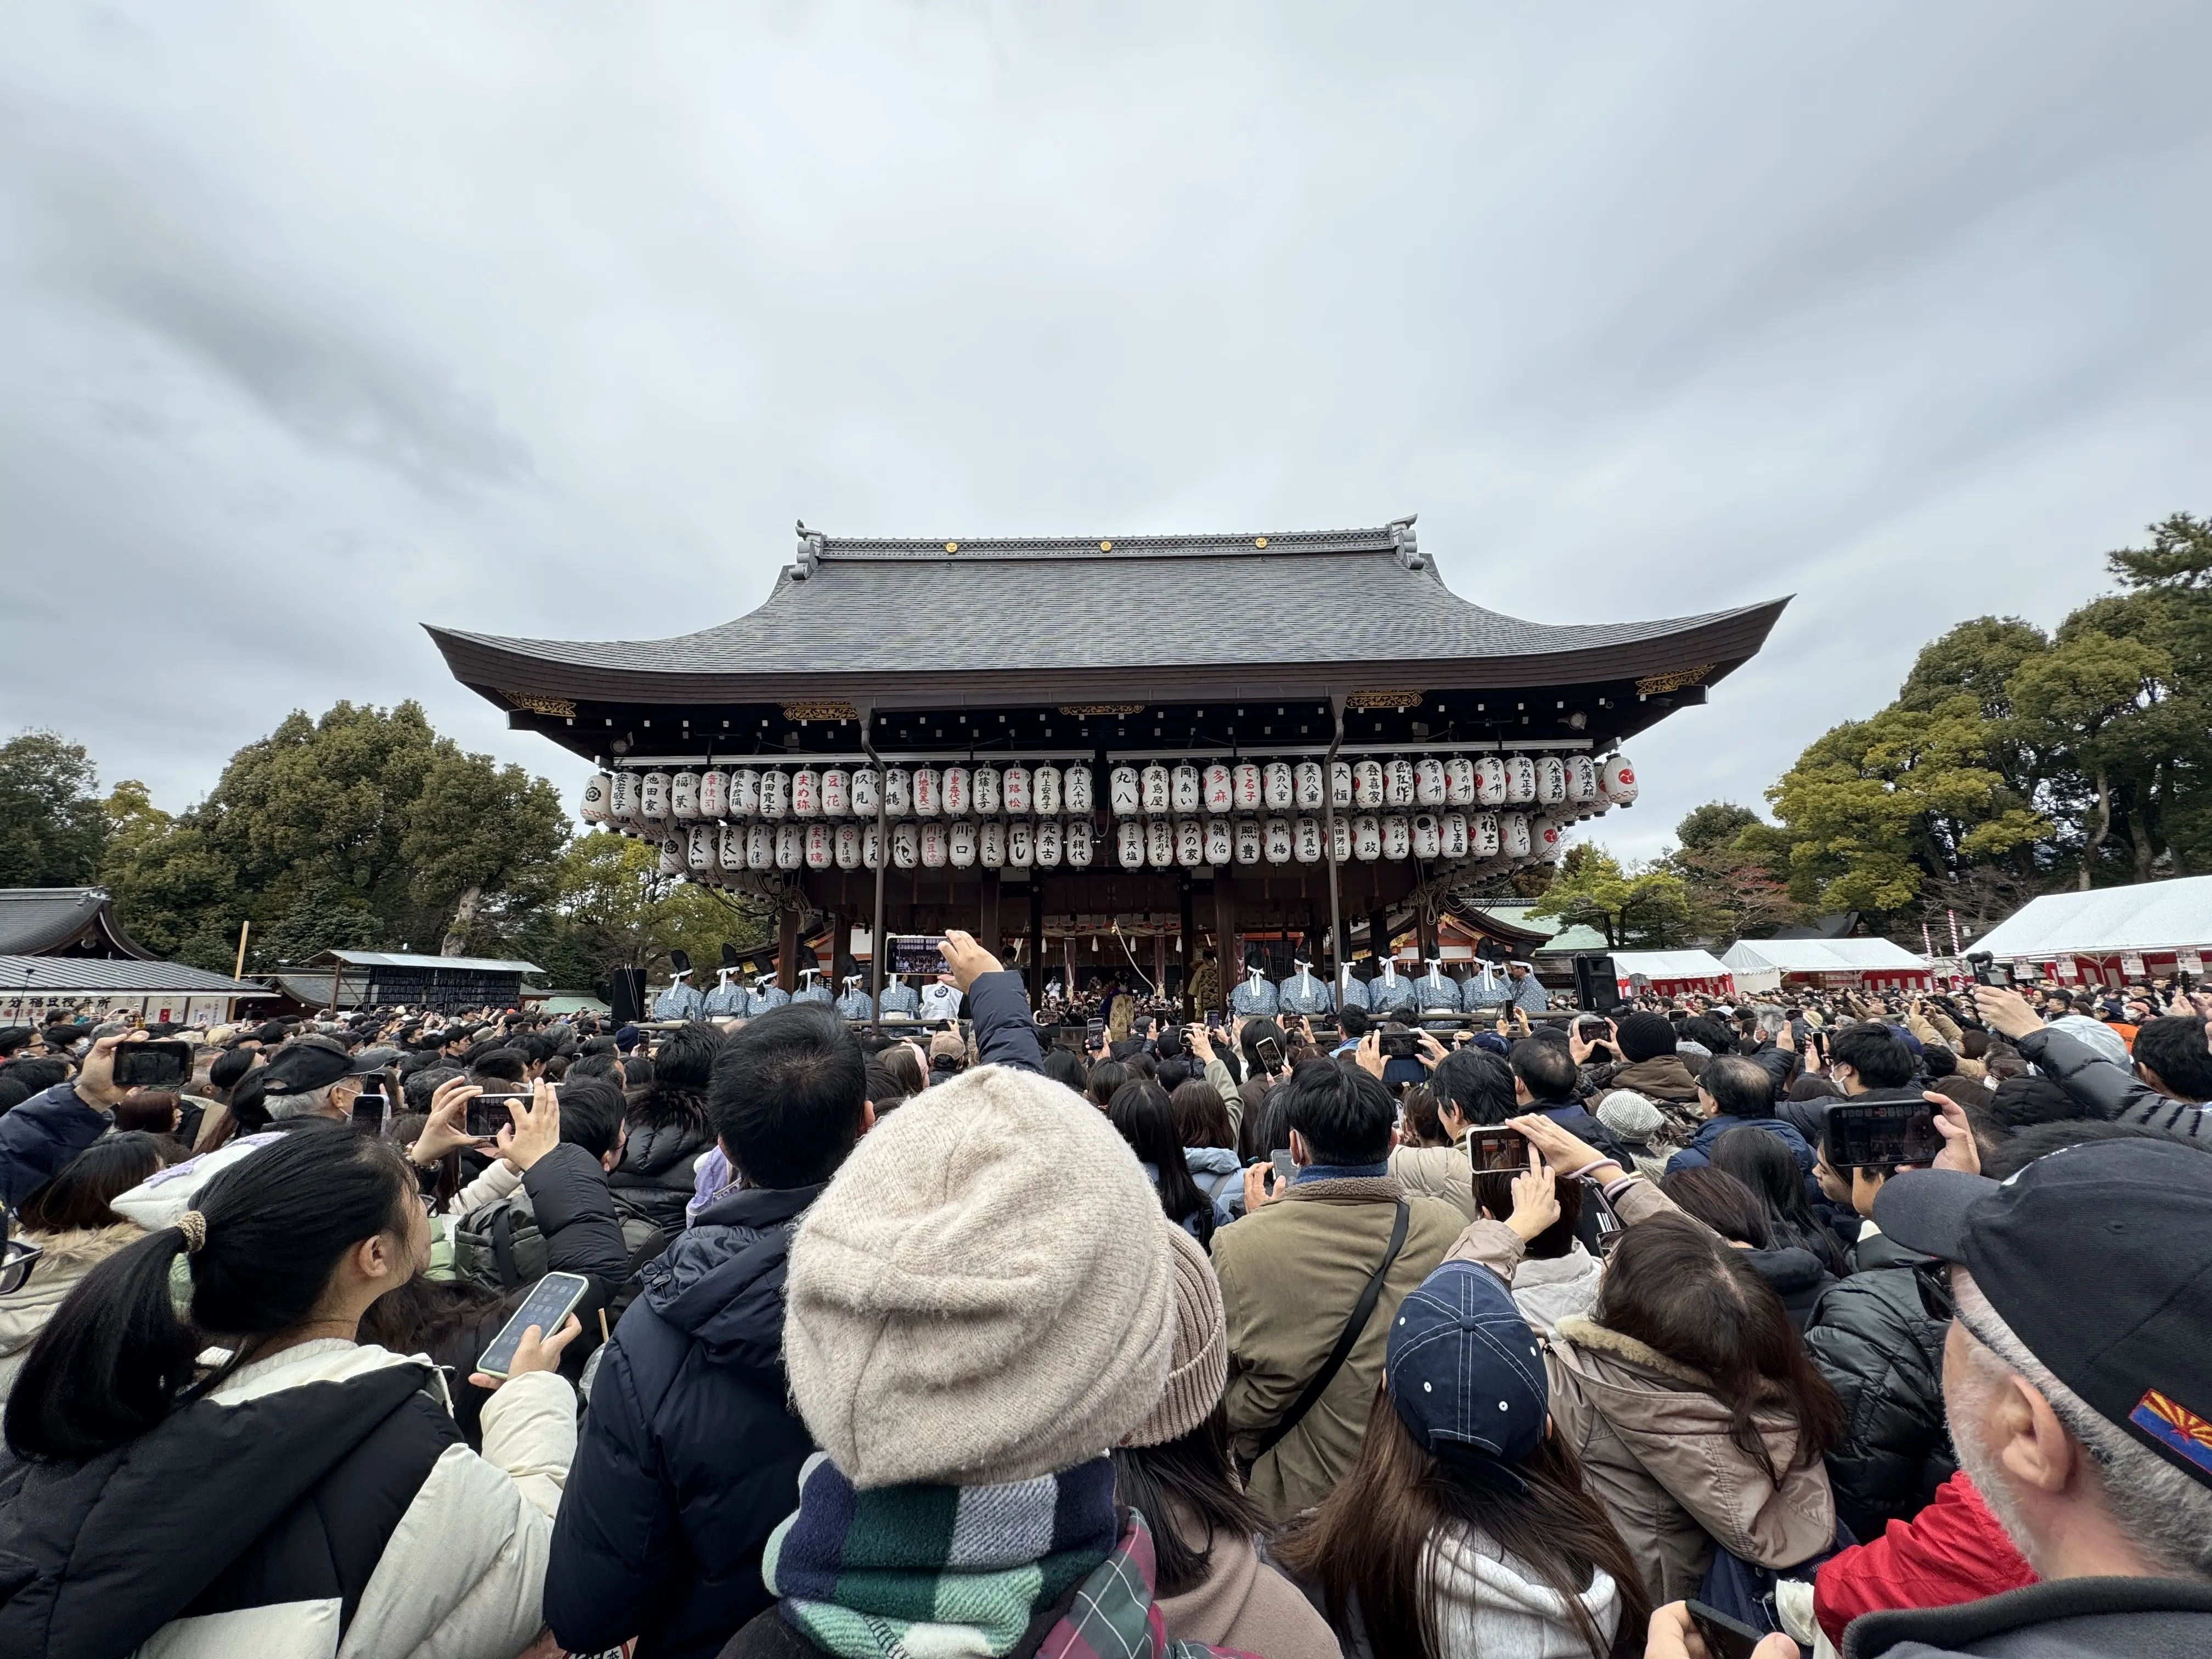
x,y
40,1136
1878,1338
690,1454
1700,1149
2103,1089
1569,1116
655,1174
2066,1618
1796,1274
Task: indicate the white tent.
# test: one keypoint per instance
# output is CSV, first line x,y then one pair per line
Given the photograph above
x,y
1761,965
2156,917
1671,967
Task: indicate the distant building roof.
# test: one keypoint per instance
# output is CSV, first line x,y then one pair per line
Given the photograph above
x,y
1837,926
38,921
2155,915
1551,933
1659,966
312,990
395,959
127,976
1754,956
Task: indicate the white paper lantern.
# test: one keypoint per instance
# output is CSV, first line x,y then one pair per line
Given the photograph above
x,y
1398,783
933,849
1490,781
954,786
1248,840
928,792
867,791
1551,780
1547,839
1079,843
1278,840
820,846
1221,841
653,797
597,794
872,845
1582,778
1126,792
1616,780
760,847
1367,784
1482,835
1014,789
700,852
1513,834
775,795
1341,840
745,793
1190,843
1428,838
1459,781
1021,844
1397,839
1049,839
1220,792
960,846
1183,786
991,844
1312,786
1305,840
806,793
621,798
898,795
1158,790
671,855
790,846
1159,842
1519,779
1129,843
836,792
1279,787
1044,791
848,846
732,850
1429,785
683,796
1366,838
1244,778
1451,833
1075,790
906,845
983,792
713,793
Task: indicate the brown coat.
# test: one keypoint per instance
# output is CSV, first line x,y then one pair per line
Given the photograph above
x,y
1654,1446
1662,1077
1443,1172
1291,1273
1245,1604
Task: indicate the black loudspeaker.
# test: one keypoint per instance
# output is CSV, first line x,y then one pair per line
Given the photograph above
x,y
1596,987
627,995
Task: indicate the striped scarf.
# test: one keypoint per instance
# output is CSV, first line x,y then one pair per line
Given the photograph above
x,y
962,1573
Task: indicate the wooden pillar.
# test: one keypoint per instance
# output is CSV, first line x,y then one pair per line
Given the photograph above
x,y
787,950
987,929
1188,935
1036,940
1226,951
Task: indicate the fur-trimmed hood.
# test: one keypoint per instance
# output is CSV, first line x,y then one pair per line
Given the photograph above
x,y
80,1249
69,1256
1585,1332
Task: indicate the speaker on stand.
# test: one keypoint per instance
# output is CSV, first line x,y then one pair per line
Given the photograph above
x,y
627,995
1596,987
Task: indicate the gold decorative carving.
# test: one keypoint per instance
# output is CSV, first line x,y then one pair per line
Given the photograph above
x,y
825,710
531,703
1090,710
1674,680
1398,699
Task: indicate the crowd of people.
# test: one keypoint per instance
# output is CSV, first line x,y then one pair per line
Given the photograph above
x,y
1569,1336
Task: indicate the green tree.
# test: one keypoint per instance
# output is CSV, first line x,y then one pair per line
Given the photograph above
x,y
2102,706
174,893
1647,908
51,829
1735,869
611,908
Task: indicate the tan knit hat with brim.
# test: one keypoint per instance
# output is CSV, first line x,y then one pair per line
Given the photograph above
x,y
1198,1369
985,1293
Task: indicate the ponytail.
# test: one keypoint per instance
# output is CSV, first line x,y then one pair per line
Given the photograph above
x,y
261,1244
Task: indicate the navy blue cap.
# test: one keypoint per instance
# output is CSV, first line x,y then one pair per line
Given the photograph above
x,y
628,1038
1463,1371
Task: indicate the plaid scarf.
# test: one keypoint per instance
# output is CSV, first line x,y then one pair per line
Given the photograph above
x,y
961,1572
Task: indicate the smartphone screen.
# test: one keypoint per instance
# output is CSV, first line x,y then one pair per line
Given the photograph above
x,y
1498,1149
153,1065
1724,1638
488,1115
553,1300
1285,1166
1881,1135
1269,1051
370,1108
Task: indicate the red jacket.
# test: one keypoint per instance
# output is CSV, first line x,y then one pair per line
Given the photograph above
x,y
1953,1551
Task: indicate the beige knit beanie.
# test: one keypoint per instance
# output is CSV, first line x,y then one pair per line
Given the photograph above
x,y
1198,1369
984,1293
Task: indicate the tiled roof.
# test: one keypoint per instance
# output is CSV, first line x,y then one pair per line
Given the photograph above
x,y
33,920
66,975
466,964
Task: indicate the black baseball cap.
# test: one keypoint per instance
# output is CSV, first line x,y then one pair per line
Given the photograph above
x,y
2099,1257
300,1069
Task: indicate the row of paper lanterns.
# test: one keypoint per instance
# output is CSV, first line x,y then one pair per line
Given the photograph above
x,y
702,849
1017,791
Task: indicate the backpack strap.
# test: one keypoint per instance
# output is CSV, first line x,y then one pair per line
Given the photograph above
x,y
1361,1313
502,1247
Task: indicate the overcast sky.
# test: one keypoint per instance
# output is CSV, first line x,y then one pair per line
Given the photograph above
x,y
320,322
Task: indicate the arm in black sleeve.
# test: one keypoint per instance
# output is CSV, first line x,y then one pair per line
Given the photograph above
x,y
1005,1034
576,1211
2102,1088
39,1138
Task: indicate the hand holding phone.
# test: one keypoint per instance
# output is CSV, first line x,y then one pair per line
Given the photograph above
x,y
153,1065
522,1345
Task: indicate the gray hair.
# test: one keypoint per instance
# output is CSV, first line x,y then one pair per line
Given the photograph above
x,y
281,1106
2165,1514
422,1084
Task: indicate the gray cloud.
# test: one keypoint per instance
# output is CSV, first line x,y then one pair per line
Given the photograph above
x,y
314,325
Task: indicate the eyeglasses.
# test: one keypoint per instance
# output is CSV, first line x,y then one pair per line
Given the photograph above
x,y
17,1257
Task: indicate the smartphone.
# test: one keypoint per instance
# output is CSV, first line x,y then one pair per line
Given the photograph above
x,y
1401,1045
1724,1638
153,1065
552,1300
488,1114
370,1106
1268,1051
1213,1019
1986,971
1498,1149
1285,1166
1881,1135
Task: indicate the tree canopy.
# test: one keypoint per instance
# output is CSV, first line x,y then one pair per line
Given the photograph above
x,y
51,829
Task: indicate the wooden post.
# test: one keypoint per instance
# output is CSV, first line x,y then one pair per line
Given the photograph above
x,y
1226,951
787,950
1036,939
244,928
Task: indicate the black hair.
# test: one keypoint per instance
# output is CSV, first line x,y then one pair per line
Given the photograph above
x,y
1145,1117
1248,1039
1265,1128
1810,1085
788,1093
1193,1480
13,1037
1105,1078
421,1085
1345,1115
2173,1046
1479,1083
595,1062
2017,1151
1936,1060
1353,1022
1547,1068
500,1065
1493,1194
1763,1161
230,1068
79,1196
1722,1202
1062,1068
592,1114
683,1067
1875,1052
115,1359
1739,1087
